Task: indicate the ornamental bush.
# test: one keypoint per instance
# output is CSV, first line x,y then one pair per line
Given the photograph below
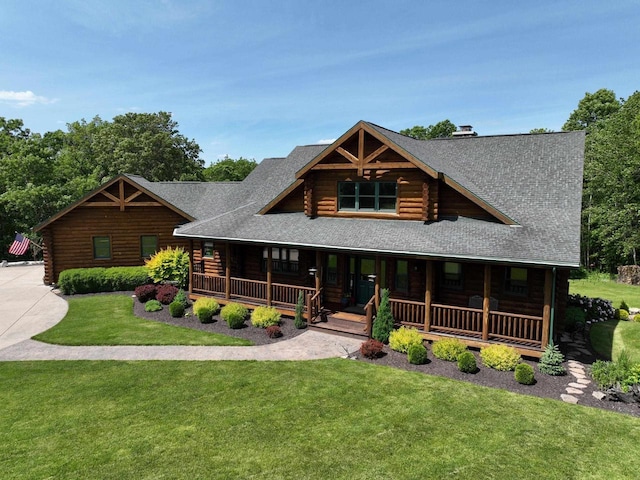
x,y
551,361
234,314
176,309
417,354
524,374
595,309
100,279
205,308
146,292
448,349
165,294
467,362
273,331
500,357
623,315
152,306
263,317
371,348
298,320
401,339
383,324
624,306
181,297
169,264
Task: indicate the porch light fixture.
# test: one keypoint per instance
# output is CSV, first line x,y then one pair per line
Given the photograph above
x,y
313,271
372,278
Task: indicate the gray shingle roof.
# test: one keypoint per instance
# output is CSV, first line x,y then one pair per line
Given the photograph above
x,y
536,180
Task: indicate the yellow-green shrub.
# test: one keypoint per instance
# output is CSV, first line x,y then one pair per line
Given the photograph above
x,y
264,317
205,308
448,349
169,264
500,357
401,339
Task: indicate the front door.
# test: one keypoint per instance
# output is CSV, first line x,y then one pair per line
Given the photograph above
x,y
364,287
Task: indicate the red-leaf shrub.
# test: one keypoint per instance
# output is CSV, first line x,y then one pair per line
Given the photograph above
x,y
274,331
145,292
372,348
166,293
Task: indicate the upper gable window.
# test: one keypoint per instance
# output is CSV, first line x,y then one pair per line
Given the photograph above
x,y
367,196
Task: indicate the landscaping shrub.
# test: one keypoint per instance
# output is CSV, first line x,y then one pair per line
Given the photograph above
x,y
467,362
152,306
264,317
146,292
181,297
574,316
100,279
298,319
623,315
383,324
273,331
371,348
165,294
624,306
551,361
524,374
205,308
417,354
401,339
595,309
169,264
234,314
176,309
500,357
448,349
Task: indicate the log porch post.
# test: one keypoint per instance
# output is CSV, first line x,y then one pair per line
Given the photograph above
x,y
319,271
546,311
190,266
486,302
269,267
377,287
428,296
227,271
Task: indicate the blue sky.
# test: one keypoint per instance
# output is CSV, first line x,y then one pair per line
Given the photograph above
x,y
257,78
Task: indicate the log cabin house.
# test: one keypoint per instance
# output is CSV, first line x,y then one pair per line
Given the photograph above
x,y
473,236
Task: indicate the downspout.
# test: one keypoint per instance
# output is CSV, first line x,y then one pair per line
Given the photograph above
x,y
553,304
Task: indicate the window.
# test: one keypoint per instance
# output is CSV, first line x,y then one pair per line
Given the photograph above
x,y
207,249
283,260
148,245
402,275
102,248
332,269
516,281
367,196
452,275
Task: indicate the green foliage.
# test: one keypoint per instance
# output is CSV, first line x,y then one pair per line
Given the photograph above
x,y
624,306
540,130
205,308
263,317
153,306
500,357
448,349
169,264
229,170
383,323
442,129
467,362
417,354
298,319
176,309
234,314
401,339
524,374
592,108
551,361
622,314
181,297
99,279
607,374
371,348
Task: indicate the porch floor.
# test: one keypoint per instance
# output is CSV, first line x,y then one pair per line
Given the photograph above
x,y
351,324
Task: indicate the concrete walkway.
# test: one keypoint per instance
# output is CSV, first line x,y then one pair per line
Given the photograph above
x,y
32,308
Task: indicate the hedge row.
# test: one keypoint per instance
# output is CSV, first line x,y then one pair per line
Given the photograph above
x,y
99,279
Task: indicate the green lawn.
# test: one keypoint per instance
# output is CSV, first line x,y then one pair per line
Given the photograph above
x,y
610,338
109,320
602,287
335,419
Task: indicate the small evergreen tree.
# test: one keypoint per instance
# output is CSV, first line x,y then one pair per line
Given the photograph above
x,y
551,361
383,324
298,320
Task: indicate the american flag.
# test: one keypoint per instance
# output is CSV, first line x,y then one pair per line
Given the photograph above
x,y
19,246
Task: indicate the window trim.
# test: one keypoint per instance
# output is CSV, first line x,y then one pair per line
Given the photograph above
x,y
205,244
155,249
376,196
518,288
283,264
93,242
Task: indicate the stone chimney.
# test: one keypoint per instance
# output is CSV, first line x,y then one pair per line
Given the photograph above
x,y
465,131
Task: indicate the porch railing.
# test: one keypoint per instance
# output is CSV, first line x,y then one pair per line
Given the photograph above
x,y
515,328
408,312
460,320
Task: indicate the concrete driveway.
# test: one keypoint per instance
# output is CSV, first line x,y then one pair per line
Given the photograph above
x,y
27,306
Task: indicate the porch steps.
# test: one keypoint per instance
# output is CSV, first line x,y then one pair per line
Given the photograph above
x,y
343,323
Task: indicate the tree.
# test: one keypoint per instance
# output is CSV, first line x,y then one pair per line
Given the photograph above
x,y
229,170
540,130
593,108
442,129
383,324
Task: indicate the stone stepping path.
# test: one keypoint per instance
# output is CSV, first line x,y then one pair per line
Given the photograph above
x,y
576,372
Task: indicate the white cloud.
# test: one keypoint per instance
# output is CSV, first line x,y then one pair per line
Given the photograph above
x,y
326,141
23,99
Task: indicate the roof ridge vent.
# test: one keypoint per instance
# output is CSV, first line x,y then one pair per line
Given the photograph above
x,y
465,131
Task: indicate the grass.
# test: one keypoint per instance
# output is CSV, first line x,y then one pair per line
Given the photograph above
x,y
109,320
610,338
334,419
602,286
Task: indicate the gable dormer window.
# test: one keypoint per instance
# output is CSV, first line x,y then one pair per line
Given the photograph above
x,y
367,196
